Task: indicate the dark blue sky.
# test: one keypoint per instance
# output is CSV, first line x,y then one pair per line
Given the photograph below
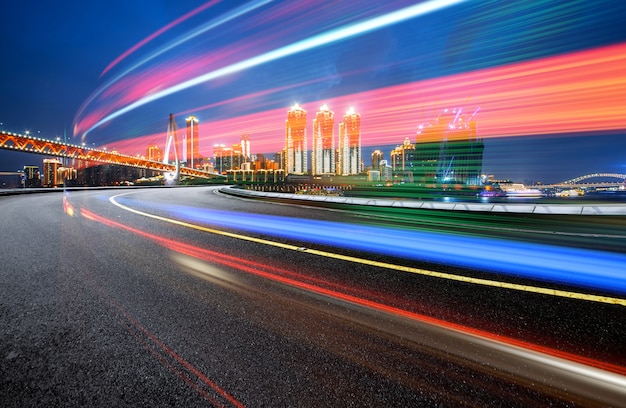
x,y
55,52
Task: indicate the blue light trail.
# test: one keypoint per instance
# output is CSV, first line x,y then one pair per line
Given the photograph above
x,y
582,268
179,41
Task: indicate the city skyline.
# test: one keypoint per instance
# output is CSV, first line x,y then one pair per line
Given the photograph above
x,y
539,125
386,149
453,151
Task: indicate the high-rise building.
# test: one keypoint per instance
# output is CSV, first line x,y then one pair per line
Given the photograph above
x,y
32,178
154,153
323,152
386,173
295,141
426,158
450,150
350,161
191,152
245,147
222,157
403,161
377,156
280,158
65,174
237,157
50,174
227,158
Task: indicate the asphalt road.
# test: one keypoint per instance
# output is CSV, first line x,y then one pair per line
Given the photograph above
x,y
144,300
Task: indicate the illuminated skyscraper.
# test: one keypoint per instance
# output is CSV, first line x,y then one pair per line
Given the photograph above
x,y
191,152
245,147
403,160
350,143
31,176
222,157
448,150
65,173
50,175
295,141
237,157
377,156
227,158
323,154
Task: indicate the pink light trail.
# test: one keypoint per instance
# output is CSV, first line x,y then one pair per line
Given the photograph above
x,y
158,33
578,92
572,93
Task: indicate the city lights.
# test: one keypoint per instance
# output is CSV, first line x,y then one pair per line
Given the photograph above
x,y
553,95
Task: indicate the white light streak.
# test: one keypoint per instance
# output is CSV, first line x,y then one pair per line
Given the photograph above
x,y
204,28
326,38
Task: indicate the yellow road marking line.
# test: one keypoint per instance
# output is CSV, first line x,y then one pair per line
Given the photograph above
x,y
418,271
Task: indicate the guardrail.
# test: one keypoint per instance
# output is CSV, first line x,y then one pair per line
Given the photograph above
x,y
528,208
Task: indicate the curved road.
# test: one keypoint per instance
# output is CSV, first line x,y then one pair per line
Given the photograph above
x,y
189,297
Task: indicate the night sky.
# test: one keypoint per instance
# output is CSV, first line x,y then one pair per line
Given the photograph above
x,y
108,73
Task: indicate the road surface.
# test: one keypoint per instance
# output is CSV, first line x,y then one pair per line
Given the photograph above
x,y
189,297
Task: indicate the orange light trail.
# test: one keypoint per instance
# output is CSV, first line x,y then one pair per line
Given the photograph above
x,y
573,93
577,92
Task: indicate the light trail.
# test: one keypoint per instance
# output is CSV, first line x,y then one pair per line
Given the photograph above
x,y
339,34
547,96
214,23
578,92
555,97
582,268
217,22
599,373
159,32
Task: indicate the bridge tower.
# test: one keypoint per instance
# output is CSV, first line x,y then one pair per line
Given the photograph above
x,y
172,139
